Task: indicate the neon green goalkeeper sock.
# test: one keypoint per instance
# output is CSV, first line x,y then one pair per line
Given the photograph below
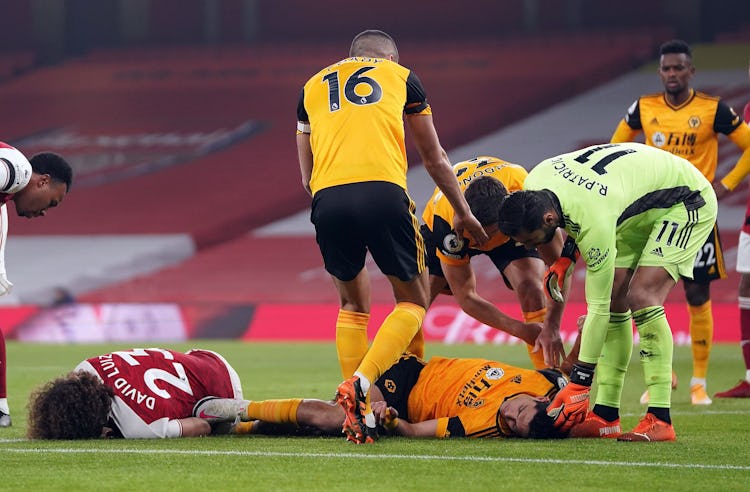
x,y
614,361
656,354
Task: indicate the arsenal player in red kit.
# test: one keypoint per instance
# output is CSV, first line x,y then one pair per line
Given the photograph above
x,y
136,393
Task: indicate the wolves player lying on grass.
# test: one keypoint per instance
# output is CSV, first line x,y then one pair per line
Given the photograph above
x,y
439,398
137,393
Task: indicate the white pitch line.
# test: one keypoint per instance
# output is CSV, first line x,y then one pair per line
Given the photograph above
x,y
542,461
696,413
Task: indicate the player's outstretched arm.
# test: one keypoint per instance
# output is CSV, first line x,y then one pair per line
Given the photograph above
x,y
462,282
388,418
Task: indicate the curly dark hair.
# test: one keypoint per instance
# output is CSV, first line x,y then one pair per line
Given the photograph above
x,y
75,406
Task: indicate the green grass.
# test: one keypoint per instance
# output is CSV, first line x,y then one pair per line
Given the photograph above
x,y
711,451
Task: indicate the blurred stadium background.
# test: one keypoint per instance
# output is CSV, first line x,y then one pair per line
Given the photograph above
x,y
187,218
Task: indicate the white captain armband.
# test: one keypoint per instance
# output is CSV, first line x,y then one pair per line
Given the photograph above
x,y
303,127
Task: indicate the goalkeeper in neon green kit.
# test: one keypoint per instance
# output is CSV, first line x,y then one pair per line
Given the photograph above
x,y
638,215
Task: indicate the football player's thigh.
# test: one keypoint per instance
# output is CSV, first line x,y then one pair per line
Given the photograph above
x,y
675,241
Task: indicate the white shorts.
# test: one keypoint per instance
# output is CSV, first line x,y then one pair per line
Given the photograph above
x,y
743,253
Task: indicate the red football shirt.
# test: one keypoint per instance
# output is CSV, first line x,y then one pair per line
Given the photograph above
x,y
154,388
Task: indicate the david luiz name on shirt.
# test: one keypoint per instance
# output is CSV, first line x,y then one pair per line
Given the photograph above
x,y
122,385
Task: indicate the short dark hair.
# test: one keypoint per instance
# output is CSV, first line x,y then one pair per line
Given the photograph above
x,y
484,196
75,406
373,42
542,426
523,211
55,166
676,46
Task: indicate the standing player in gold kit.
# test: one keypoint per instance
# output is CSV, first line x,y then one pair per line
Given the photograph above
x,y
350,143
687,123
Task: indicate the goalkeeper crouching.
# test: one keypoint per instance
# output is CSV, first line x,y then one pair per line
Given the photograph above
x,y
639,216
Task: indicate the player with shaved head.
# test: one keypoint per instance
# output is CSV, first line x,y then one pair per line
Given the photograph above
x,y
352,156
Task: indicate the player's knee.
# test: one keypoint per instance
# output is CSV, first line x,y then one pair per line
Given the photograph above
x,y
640,298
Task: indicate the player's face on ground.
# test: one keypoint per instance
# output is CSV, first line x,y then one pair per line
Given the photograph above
x,y
519,411
675,71
41,194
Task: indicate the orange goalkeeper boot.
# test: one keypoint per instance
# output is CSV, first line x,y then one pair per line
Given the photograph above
x,y
650,429
595,426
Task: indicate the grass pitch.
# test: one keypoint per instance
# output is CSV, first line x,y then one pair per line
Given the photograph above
x,y
711,452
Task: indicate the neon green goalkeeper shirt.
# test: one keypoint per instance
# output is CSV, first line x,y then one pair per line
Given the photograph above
x,y
614,193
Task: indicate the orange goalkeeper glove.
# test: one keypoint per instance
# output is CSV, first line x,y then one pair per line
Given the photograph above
x,y
559,272
571,404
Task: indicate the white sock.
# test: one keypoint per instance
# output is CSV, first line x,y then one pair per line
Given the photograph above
x,y
747,375
364,383
4,406
701,381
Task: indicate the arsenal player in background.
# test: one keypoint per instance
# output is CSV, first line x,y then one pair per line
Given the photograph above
x,y
34,186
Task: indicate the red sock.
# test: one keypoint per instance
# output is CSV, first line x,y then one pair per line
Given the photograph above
x,y
3,387
745,335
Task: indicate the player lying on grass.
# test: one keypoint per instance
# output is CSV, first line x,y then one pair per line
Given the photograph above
x,y
133,393
439,398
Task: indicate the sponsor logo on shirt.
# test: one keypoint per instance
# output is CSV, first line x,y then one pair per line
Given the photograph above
x,y
494,373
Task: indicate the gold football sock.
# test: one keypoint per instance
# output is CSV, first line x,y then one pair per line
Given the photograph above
x,y
243,427
275,411
392,338
701,334
537,358
416,346
351,340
